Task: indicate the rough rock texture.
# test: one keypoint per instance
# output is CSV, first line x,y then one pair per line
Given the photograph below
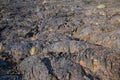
x,y
85,62
101,62
8,69
68,46
33,69
51,69
59,39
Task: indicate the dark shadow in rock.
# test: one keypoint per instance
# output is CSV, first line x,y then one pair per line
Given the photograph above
x,y
7,71
1,29
30,34
91,77
48,65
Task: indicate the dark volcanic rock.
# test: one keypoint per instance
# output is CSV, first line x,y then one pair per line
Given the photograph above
x,y
8,70
60,39
101,62
65,69
68,46
38,68
96,60
19,51
33,68
87,63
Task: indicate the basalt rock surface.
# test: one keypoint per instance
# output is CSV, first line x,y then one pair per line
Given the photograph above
x,y
59,40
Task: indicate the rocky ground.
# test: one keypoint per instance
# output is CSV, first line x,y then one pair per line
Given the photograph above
x,y
59,39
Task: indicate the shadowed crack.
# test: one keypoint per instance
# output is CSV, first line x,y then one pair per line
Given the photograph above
x,y
47,63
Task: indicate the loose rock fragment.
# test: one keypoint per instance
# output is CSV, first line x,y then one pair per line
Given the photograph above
x,y
101,6
1,48
33,51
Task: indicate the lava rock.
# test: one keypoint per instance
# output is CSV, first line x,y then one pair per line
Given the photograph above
x,y
33,68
